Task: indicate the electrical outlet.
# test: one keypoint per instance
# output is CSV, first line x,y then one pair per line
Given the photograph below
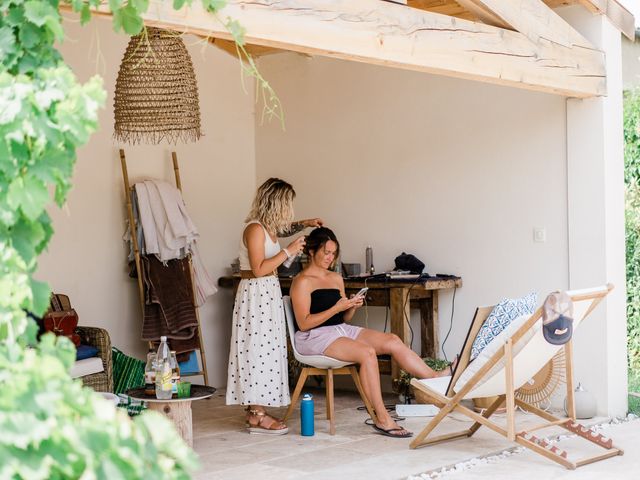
x,y
539,234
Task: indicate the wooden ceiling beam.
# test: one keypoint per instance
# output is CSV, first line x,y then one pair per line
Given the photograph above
x,y
388,34
617,14
255,51
484,14
613,9
444,7
536,20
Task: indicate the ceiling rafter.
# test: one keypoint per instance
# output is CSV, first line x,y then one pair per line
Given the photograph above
x,y
619,16
392,35
534,19
255,51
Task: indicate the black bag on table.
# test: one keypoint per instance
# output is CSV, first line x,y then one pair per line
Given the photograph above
x,y
407,261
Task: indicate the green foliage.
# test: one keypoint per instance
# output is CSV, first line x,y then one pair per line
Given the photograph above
x,y
436,364
51,427
632,221
54,428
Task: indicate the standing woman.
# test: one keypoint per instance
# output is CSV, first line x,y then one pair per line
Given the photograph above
x,y
257,375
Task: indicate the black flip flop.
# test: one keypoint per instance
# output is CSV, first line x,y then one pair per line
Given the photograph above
x,y
388,432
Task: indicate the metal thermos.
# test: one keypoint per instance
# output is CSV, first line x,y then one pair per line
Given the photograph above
x,y
306,415
370,269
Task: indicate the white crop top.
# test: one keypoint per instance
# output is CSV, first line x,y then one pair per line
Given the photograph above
x,y
271,248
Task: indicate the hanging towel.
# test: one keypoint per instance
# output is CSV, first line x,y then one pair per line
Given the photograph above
x,y
169,308
169,232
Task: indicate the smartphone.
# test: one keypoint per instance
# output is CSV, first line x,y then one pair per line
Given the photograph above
x,y
362,292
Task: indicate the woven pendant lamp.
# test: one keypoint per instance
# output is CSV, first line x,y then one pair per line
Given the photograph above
x,y
156,94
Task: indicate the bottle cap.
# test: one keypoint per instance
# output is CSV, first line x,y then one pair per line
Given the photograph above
x,y
163,338
307,396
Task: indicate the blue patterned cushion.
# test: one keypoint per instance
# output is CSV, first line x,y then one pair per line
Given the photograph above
x,y
502,315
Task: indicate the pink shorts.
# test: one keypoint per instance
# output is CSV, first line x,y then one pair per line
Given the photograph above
x,y
317,340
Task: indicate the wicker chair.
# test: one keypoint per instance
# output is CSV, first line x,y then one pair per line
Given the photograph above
x,y
99,338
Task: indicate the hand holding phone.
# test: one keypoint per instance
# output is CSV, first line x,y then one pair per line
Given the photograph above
x,y
361,293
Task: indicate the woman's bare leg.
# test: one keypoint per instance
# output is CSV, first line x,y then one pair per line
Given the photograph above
x,y
409,361
364,355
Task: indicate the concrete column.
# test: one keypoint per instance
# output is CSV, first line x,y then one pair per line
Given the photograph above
x,y
595,169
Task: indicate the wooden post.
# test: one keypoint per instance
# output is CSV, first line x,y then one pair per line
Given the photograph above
x,y
136,252
176,170
429,342
296,393
571,404
180,414
132,227
510,393
400,311
203,358
330,405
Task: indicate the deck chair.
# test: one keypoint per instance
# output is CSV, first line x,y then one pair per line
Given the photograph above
x,y
321,365
524,354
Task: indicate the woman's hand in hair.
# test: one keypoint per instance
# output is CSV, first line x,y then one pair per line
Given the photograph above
x,y
312,222
296,246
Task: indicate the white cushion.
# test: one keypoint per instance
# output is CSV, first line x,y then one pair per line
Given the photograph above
x,y
492,347
87,366
437,384
500,317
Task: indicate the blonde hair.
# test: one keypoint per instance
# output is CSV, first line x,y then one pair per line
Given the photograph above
x,y
273,205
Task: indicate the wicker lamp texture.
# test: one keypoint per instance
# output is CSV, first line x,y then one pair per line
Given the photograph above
x,y
156,95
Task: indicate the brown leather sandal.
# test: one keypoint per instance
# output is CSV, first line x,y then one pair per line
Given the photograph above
x,y
274,428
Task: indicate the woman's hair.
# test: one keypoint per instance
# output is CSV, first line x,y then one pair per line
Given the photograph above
x,y
273,205
318,239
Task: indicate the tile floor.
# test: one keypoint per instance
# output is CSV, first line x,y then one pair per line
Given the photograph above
x,y
356,452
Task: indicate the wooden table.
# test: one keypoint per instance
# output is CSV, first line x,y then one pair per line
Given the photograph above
x,y
400,296
178,410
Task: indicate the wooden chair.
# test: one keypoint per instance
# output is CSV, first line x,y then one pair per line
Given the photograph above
x,y
321,365
518,359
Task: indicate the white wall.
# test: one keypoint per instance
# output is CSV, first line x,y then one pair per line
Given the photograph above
x,y
596,219
456,172
86,258
630,63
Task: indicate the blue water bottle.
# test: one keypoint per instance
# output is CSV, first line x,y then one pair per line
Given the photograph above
x,y
306,415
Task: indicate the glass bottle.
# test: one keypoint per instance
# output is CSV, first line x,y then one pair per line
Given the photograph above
x,y
163,371
150,373
175,374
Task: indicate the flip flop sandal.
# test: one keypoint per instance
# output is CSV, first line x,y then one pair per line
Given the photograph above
x,y
258,429
389,432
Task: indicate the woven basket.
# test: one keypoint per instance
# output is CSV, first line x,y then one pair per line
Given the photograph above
x,y
156,95
99,338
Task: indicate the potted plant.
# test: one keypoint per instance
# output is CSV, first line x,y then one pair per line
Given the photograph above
x,y
404,382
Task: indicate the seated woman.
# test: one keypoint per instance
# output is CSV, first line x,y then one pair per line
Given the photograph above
x,y
321,309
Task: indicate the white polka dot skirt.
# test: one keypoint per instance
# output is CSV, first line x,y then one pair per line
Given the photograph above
x,y
257,372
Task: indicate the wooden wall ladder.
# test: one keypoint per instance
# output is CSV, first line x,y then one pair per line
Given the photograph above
x,y
128,189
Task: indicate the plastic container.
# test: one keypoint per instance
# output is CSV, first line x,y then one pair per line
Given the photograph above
x,y
306,416
289,261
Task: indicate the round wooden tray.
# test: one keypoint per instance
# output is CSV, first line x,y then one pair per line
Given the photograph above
x,y
198,392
